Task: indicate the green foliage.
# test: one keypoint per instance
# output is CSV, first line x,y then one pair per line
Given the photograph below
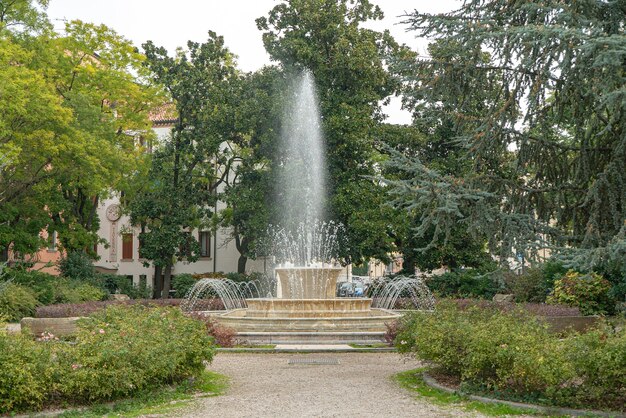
x,y
26,372
115,283
77,265
42,284
118,352
589,292
182,283
532,97
514,354
530,286
69,101
598,359
179,192
465,283
348,62
71,291
121,350
16,302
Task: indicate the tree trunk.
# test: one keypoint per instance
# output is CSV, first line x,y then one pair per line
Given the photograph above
x,y
241,264
167,282
158,282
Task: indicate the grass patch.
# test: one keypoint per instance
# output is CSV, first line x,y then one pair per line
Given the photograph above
x,y
412,380
375,345
160,401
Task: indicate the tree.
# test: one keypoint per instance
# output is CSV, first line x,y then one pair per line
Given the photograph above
x,y
34,130
71,106
188,168
546,140
348,62
248,193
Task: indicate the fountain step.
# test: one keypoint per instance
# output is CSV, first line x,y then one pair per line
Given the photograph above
x,y
311,337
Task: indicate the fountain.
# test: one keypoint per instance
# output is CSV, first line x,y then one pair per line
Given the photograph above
x,y
302,306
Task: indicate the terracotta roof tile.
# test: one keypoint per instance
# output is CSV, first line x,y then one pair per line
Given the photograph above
x,y
163,115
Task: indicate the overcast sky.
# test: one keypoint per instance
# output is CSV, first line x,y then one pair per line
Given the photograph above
x,y
173,23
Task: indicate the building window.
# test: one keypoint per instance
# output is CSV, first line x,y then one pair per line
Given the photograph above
x,y
127,246
204,237
52,241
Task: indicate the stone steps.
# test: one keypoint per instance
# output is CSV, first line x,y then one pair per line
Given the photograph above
x,y
320,337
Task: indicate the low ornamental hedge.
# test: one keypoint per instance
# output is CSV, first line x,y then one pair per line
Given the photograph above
x,y
118,351
512,354
65,310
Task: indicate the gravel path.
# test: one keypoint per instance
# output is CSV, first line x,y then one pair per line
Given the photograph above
x,y
265,385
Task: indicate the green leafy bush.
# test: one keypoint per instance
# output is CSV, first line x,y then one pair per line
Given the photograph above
x,y
77,265
16,302
118,351
49,289
182,283
73,291
531,286
25,373
598,360
42,284
465,283
513,353
589,292
124,349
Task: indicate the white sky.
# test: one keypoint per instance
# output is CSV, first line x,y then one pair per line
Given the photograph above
x,y
172,24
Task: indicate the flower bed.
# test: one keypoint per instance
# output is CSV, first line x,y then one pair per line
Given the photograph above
x,y
513,354
117,352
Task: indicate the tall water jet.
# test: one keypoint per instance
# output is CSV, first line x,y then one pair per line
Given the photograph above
x,y
301,191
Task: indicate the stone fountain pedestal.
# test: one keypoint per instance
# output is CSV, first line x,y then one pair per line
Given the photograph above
x,y
308,312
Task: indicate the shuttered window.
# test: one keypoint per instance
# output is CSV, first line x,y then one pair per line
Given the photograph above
x,y
127,246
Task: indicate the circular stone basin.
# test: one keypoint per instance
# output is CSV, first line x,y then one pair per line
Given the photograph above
x,y
308,308
308,282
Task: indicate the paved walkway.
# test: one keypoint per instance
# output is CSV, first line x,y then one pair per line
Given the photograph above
x,y
266,385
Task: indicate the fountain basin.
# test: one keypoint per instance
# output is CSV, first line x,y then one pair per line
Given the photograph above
x,y
309,308
308,282
373,321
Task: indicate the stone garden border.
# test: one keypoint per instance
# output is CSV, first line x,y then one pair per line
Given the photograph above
x,y
538,408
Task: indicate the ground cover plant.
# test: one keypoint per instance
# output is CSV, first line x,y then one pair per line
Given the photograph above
x,y
513,355
118,352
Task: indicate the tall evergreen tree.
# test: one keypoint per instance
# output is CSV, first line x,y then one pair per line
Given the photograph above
x,y
535,95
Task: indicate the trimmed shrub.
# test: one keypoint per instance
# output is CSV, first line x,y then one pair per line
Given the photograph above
x,y
513,354
42,284
589,292
537,309
182,283
73,291
528,287
117,352
25,373
124,349
16,302
88,308
77,265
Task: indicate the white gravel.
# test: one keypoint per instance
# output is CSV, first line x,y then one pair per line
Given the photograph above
x,y
265,385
